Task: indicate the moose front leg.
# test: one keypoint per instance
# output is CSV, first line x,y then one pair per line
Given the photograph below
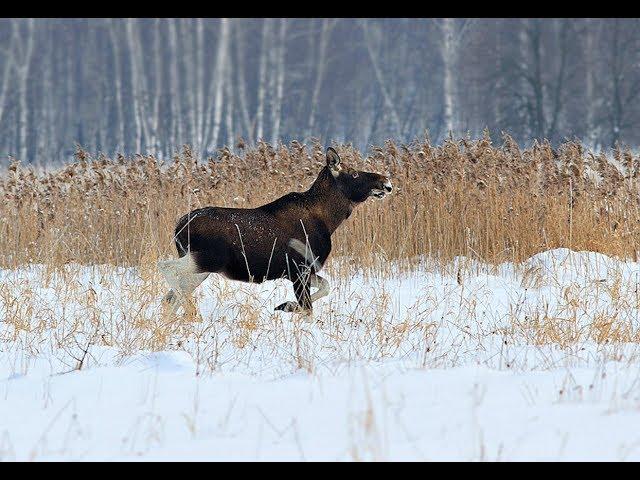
x,y
316,281
301,288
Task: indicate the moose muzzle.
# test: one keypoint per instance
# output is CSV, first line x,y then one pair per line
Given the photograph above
x,y
384,189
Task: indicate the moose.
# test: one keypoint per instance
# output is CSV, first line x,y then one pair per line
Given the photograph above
x,y
287,238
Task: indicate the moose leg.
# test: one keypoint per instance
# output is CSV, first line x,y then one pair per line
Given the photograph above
x,y
301,289
321,284
182,276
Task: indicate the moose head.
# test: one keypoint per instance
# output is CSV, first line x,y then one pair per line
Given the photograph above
x,y
356,185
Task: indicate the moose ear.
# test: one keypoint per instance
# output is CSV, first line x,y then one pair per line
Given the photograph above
x,y
333,159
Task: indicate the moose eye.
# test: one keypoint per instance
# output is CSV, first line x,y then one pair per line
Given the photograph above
x,y
354,174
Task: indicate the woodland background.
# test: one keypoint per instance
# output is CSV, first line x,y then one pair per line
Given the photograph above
x,y
152,85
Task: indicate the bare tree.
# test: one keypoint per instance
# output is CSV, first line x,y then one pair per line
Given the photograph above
x,y
262,77
241,81
544,87
176,115
622,88
280,50
374,57
7,63
139,117
321,65
22,61
220,76
591,60
452,33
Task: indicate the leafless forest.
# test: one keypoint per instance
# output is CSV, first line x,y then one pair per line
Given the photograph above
x,y
153,85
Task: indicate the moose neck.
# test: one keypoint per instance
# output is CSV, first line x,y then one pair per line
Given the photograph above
x,y
328,202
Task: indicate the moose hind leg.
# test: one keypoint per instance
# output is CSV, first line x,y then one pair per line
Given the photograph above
x,y
183,277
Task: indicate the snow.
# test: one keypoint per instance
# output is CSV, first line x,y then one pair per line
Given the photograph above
x,y
537,361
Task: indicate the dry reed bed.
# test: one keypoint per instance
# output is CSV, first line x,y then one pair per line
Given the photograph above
x,y
472,198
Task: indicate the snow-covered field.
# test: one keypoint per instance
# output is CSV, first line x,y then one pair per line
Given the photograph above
x,y
538,361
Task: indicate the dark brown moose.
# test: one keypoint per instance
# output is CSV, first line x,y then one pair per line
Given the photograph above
x,y
287,238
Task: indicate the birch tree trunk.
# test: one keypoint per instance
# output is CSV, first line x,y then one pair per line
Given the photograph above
x,y
174,87
135,94
221,66
449,54
616,78
538,86
499,85
262,76
321,63
188,73
8,66
22,68
155,100
590,64
280,77
200,127
119,130
242,92
524,73
229,105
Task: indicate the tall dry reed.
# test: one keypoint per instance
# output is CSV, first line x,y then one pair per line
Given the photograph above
x,y
494,203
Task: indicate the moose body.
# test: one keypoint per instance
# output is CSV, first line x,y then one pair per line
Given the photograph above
x,y
287,238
